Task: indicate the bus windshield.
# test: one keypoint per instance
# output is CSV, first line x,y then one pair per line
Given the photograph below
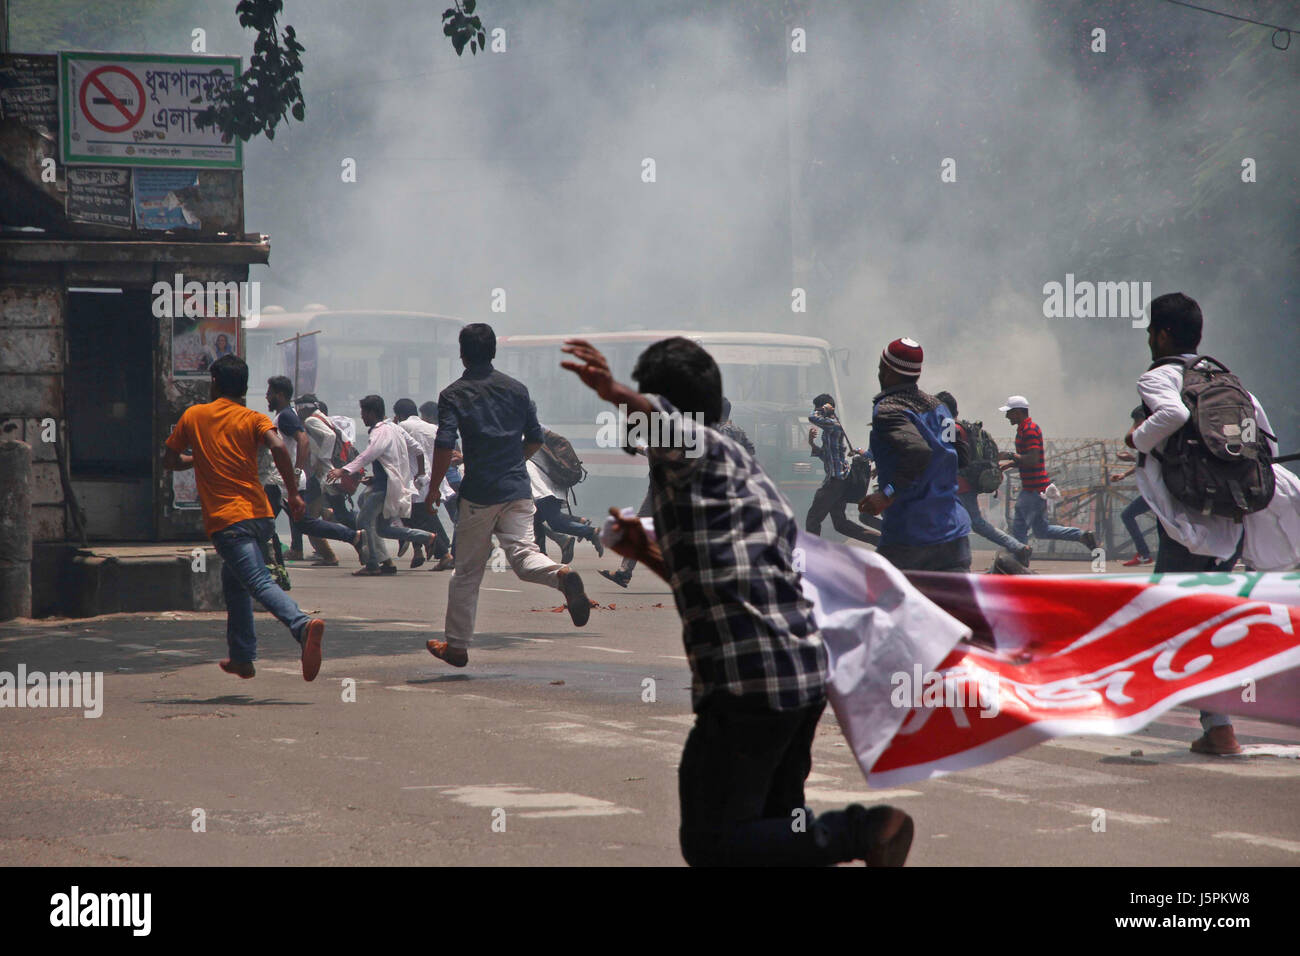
x,y
781,374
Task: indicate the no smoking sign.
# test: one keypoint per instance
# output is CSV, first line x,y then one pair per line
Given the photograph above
x,y
112,99
144,109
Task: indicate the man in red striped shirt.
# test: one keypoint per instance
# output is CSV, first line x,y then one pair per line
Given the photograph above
x,y
1031,506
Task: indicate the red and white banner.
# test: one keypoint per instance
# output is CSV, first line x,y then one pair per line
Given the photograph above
x,y
935,673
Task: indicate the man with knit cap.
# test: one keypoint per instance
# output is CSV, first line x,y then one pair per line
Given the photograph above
x,y
923,525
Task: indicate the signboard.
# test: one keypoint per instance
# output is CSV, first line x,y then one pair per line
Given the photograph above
x,y
300,354
160,196
100,196
29,92
138,109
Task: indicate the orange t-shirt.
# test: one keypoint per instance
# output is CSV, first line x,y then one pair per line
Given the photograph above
x,y
224,437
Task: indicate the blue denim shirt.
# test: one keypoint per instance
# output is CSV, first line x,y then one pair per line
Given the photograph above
x,y
492,416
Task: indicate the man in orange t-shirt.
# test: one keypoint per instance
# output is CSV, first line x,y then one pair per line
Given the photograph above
x,y
222,438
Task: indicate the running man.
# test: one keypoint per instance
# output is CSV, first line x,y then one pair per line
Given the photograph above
x,y
222,438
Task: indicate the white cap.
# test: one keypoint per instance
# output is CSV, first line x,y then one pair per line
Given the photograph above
x,y
1015,401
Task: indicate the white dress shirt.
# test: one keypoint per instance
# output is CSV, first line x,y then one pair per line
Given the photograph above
x,y
542,487
388,446
1272,535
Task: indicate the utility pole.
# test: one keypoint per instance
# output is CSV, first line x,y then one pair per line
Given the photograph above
x,y
4,26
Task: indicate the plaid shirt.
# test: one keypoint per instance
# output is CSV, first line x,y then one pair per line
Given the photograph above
x,y
727,538
834,444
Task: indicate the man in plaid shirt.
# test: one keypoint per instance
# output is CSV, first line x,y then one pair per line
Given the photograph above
x,y
724,541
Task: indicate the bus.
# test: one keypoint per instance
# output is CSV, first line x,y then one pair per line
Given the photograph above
x,y
771,380
356,353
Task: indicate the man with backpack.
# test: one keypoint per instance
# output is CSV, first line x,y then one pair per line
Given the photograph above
x,y
552,472
322,438
981,476
835,493
1205,467
923,527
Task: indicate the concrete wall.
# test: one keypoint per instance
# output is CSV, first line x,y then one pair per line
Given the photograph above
x,y
32,356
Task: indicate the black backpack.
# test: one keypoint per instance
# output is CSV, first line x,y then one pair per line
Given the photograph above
x,y
1207,465
559,461
982,473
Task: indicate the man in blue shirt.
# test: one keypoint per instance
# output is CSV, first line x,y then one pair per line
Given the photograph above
x,y
496,423
924,527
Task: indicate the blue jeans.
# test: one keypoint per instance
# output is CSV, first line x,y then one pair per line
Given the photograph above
x,y
244,577
1031,513
970,500
1138,506
369,513
552,514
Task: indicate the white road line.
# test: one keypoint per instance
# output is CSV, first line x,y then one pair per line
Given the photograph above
x,y
139,647
673,657
97,640
609,650
408,687
504,590
818,795
1290,846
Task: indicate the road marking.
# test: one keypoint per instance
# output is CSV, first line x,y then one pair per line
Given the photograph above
x,y
1290,846
179,653
682,719
139,647
97,640
818,795
609,650
1083,809
532,803
673,657
504,590
408,687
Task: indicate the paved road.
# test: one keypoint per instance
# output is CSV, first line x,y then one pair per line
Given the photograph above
x,y
547,724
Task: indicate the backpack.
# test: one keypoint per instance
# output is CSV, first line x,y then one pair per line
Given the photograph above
x,y
559,461
344,450
1207,465
982,472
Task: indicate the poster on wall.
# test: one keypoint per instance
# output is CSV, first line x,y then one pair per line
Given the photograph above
x,y
185,491
199,340
160,199
99,195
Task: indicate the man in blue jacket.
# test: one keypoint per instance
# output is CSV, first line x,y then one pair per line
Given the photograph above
x,y
923,525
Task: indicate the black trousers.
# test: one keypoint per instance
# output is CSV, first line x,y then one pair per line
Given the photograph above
x,y
1173,558
945,556
421,520
741,786
829,501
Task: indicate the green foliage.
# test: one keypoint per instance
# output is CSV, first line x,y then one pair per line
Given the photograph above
x,y
269,90
464,28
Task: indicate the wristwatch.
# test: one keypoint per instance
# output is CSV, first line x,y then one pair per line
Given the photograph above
x,y
887,491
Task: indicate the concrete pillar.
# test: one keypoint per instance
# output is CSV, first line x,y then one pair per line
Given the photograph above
x,y
15,530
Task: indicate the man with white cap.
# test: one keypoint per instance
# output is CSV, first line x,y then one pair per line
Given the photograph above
x,y
923,526
1031,505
